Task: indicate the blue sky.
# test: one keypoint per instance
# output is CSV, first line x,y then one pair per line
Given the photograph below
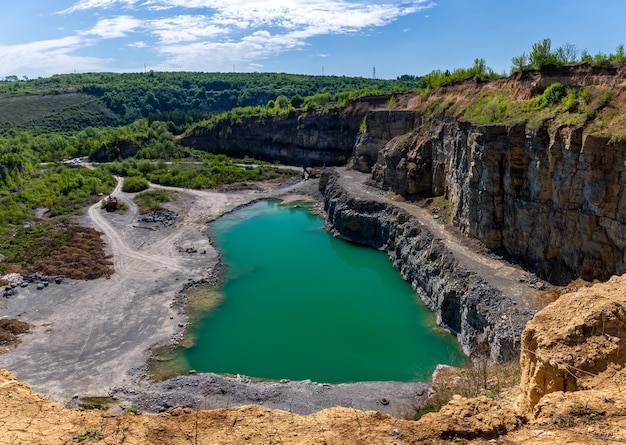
x,y
39,38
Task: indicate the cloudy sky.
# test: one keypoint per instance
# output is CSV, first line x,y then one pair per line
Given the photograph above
x,y
338,37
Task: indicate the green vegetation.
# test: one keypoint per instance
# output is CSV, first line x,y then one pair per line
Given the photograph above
x,y
131,409
88,435
489,109
436,79
480,380
133,122
439,206
56,190
134,184
35,201
96,403
152,199
213,171
73,101
543,56
574,106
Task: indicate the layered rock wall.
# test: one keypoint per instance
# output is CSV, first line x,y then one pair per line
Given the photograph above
x,y
464,303
552,197
312,138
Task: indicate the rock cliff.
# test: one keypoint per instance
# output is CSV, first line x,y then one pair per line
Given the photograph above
x,y
313,138
543,190
487,322
550,195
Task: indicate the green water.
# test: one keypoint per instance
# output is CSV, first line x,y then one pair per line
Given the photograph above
x,y
301,304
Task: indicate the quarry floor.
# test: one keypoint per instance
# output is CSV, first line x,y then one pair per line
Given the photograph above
x,y
93,338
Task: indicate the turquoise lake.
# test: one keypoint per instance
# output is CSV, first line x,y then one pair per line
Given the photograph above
x,y
301,304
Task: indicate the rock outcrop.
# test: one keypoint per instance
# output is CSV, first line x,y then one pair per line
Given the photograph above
x,y
576,343
487,322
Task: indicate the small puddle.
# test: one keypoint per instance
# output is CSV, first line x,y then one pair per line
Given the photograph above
x,y
298,303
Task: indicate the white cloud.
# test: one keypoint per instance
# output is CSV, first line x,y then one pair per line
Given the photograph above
x,y
255,30
47,56
83,5
184,28
114,27
213,34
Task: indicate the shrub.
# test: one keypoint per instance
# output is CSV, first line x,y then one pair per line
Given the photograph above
x,y
134,184
551,95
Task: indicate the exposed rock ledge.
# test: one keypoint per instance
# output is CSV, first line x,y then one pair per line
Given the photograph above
x,y
487,315
577,343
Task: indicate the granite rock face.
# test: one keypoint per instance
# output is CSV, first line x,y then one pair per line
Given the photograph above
x,y
464,303
552,197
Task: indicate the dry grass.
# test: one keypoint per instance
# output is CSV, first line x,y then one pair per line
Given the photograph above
x,y
479,380
9,330
79,255
543,298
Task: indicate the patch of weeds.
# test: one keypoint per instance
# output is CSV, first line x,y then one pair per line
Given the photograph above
x,y
487,109
151,200
430,108
131,409
96,403
580,413
88,435
552,95
447,105
570,103
439,207
425,409
74,251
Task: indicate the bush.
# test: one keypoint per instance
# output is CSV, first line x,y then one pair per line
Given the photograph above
x,y
134,184
151,200
551,96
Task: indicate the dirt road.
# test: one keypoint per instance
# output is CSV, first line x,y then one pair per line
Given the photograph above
x,y
90,336
501,274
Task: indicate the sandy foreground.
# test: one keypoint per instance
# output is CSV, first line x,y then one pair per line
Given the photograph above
x,y
93,338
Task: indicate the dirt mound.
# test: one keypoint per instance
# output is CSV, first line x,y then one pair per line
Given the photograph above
x,y
29,418
9,331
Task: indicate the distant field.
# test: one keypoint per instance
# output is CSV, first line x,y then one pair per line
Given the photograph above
x,y
68,111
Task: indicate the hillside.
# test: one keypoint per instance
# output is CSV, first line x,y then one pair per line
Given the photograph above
x,y
75,101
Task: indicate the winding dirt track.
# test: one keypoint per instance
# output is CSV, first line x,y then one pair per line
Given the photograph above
x,y
90,336
502,275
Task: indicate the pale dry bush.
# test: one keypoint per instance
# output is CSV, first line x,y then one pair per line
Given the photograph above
x,y
480,379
